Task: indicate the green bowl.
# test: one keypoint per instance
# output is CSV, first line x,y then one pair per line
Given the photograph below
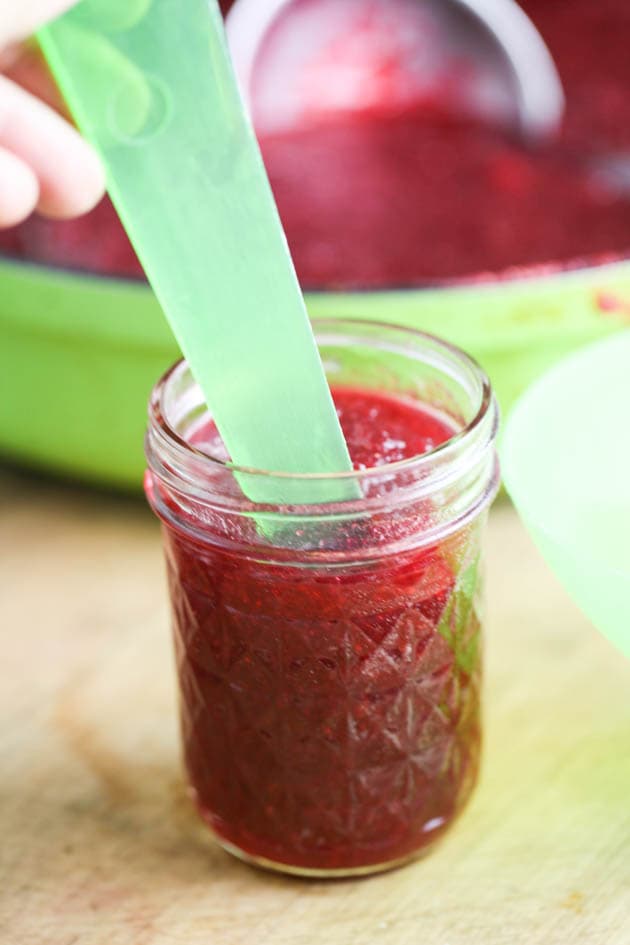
x,y
79,354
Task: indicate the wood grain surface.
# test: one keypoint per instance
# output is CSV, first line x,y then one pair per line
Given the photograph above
x,y
98,843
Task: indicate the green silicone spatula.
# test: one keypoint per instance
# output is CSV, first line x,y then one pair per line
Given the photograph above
x,y
566,462
150,83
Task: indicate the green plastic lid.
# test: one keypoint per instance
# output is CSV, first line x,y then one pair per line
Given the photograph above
x,y
566,462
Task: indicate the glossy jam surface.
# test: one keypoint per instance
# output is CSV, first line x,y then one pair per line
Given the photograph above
x,y
379,428
330,714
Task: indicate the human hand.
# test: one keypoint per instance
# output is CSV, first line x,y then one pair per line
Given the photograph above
x,y
44,162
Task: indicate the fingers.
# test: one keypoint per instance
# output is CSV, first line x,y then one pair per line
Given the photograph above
x,y
20,18
44,162
19,189
68,172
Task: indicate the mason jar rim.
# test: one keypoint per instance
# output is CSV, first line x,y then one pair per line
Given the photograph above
x,y
173,440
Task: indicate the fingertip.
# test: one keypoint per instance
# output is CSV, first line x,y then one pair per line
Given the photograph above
x,y
27,17
76,193
19,190
69,173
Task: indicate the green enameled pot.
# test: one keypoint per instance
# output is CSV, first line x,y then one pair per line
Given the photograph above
x,y
79,353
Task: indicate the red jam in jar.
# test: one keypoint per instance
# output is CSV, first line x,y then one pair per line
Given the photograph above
x,y
330,670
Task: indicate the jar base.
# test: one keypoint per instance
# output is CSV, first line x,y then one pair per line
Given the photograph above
x,y
304,872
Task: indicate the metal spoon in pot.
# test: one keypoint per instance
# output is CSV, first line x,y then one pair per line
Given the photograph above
x,y
493,34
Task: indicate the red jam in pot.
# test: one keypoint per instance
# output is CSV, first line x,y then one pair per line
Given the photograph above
x,y
388,187
400,186
330,714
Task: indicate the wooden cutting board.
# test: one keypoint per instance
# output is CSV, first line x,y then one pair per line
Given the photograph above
x,y
99,845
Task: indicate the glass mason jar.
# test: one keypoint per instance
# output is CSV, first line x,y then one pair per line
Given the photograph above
x,y
329,655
